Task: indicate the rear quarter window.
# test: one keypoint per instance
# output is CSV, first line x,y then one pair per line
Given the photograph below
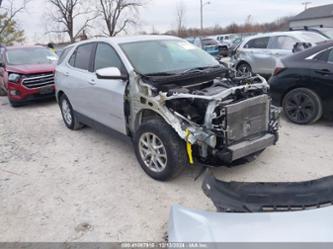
x,y
81,58
64,55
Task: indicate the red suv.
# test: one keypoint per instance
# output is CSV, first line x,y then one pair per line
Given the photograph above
x,y
27,73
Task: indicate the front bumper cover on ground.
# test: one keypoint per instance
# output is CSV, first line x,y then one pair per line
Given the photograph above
x,y
263,197
257,212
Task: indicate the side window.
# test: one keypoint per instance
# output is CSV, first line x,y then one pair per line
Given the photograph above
x,y
81,57
72,59
258,43
106,56
330,56
323,56
282,42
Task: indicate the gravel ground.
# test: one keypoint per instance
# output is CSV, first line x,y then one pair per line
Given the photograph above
x,y
59,185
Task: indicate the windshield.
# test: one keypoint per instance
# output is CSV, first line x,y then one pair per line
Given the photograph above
x,y
166,56
29,56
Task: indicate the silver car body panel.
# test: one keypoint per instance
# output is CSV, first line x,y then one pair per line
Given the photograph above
x,y
187,225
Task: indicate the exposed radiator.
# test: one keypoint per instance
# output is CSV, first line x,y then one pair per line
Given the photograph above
x,y
247,119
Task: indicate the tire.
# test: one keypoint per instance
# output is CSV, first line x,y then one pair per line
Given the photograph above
x,y
302,106
68,115
168,146
244,68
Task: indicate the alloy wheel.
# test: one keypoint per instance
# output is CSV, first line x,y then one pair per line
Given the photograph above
x,y
66,112
300,108
153,152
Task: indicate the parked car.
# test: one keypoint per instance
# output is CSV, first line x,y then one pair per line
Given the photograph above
x,y
179,105
211,46
259,54
27,73
303,84
226,39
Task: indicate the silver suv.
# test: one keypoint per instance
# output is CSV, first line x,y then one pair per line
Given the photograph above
x,y
259,54
176,102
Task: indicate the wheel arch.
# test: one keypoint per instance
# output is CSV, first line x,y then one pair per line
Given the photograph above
x,y
283,95
59,94
143,116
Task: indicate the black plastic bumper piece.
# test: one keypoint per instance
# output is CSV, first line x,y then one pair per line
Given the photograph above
x,y
268,197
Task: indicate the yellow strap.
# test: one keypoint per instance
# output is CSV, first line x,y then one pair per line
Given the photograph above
x,y
189,147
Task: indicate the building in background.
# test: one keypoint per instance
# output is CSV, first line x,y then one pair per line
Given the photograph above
x,y
316,16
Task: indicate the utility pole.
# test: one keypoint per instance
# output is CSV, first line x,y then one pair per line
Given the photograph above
x,y
201,14
202,5
306,4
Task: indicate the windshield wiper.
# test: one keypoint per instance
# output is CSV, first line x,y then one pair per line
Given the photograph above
x,y
200,69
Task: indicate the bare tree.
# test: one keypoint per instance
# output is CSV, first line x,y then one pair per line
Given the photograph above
x,y
118,14
68,14
181,11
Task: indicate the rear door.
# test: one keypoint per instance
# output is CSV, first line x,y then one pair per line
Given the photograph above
x,y
108,103
322,81
279,47
256,53
79,72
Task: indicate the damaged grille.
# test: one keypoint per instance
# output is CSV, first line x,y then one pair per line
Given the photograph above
x,y
246,119
39,80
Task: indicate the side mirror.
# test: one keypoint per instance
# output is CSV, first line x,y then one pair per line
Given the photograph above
x,y
2,64
110,73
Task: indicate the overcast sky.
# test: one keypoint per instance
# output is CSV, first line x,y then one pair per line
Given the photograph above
x,y
160,14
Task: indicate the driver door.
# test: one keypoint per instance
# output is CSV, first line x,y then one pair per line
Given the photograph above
x,y
108,95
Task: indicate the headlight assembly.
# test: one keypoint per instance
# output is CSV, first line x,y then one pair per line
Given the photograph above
x,y
13,77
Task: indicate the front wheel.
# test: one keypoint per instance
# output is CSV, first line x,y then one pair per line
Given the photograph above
x,y
302,106
159,150
244,69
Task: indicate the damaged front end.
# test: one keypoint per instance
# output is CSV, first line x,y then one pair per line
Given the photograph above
x,y
221,117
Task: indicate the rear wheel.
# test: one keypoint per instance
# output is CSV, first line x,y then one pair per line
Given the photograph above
x,y
68,115
302,106
159,150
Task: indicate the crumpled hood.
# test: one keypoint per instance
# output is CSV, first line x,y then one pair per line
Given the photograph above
x,y
31,69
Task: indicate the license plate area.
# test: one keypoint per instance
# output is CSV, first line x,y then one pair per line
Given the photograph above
x,y
46,90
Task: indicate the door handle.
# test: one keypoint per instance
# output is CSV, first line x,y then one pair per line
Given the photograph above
x,y
67,74
92,82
